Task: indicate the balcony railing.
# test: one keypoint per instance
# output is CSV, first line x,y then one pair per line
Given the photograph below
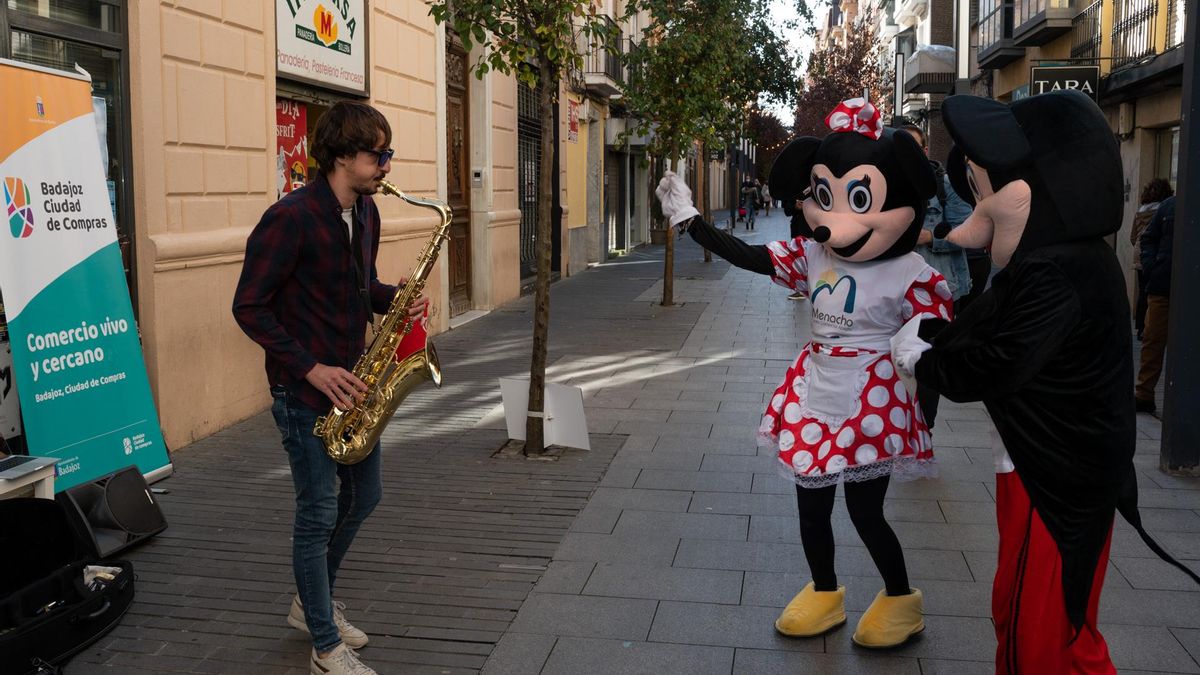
x,y
1036,22
1175,18
996,46
1133,30
1085,32
602,69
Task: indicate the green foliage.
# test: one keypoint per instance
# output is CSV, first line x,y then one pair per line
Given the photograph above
x,y
699,65
841,72
515,35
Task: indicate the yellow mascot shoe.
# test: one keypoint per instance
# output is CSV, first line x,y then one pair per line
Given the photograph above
x,y
890,620
813,612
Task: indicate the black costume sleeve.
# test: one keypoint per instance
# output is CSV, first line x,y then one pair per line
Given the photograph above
x,y
729,247
1033,318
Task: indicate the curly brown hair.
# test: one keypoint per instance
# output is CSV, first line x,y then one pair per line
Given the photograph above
x,y
348,127
1156,191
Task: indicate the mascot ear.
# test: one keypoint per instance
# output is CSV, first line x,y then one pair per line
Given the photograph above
x,y
987,132
913,163
956,170
790,173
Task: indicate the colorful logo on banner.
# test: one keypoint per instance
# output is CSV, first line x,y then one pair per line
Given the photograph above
x,y
77,362
17,205
324,30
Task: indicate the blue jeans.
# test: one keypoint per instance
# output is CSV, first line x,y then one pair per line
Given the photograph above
x,y
327,518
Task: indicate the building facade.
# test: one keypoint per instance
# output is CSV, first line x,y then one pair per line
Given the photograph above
x,y
209,104
1134,51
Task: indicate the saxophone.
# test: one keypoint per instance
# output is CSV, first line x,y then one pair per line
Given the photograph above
x,y
399,358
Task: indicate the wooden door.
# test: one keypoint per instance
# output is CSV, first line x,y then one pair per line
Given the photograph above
x,y
458,180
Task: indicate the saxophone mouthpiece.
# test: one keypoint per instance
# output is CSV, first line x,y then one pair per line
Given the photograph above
x,y
390,189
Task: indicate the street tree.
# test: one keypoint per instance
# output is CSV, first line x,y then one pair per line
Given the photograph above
x,y
537,41
699,66
843,71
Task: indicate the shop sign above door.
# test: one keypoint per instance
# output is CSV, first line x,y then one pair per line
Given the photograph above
x,y
323,42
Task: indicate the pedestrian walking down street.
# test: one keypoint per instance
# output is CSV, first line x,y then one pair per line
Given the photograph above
x,y
749,198
306,296
1152,195
1156,254
765,194
841,415
945,212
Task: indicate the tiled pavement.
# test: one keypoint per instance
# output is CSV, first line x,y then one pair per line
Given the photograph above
x,y
670,548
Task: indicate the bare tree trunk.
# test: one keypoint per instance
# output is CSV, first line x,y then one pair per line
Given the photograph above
x,y
668,298
534,429
702,184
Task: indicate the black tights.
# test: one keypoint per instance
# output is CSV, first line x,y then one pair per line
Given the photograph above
x,y
864,501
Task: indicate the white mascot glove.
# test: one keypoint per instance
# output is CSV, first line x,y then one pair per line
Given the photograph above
x,y
676,199
907,349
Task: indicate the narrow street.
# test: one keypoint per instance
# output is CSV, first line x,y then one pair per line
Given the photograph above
x,y
669,548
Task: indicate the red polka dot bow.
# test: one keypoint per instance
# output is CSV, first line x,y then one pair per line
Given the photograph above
x,y
856,114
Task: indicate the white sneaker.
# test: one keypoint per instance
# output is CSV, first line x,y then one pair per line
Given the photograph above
x,y
350,635
340,661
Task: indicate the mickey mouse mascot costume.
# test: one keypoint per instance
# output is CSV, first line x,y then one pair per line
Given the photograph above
x,y
841,413
1047,349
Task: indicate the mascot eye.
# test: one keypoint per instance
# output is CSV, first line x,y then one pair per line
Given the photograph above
x,y
822,194
973,185
859,193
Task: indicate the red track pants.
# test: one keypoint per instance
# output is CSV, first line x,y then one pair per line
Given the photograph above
x,y
1032,628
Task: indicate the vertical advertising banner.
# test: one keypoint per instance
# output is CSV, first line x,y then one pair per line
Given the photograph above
x,y
291,134
84,394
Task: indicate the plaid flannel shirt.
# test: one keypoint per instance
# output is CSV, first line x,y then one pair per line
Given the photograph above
x,y
299,296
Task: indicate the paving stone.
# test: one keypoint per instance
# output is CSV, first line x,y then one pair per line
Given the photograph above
x,y
772,557
1154,574
663,459
1148,647
620,477
564,577
572,656
665,583
743,504
519,654
774,662
945,667
658,479
945,637
596,519
724,626
645,549
682,525
740,464
644,500
1190,639
585,616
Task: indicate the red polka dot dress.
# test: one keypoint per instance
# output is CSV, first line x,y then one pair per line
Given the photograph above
x,y
841,412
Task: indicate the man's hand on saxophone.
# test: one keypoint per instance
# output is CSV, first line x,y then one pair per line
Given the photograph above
x,y
339,384
418,309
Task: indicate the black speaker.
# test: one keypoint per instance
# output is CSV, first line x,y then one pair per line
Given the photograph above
x,y
113,512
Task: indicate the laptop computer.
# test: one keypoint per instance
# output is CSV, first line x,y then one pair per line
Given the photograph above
x,y
15,466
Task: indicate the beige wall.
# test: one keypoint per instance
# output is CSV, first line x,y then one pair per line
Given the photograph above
x,y
203,93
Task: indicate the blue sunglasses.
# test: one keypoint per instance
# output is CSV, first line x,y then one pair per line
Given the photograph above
x,y
384,156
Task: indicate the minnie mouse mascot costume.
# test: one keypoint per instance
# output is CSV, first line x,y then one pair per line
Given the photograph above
x,y
841,413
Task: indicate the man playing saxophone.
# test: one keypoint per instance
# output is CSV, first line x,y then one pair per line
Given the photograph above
x,y
307,293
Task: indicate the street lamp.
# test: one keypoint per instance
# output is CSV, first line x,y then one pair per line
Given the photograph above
x,y
898,92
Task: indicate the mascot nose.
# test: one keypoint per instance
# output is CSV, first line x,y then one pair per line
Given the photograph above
x,y
821,234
